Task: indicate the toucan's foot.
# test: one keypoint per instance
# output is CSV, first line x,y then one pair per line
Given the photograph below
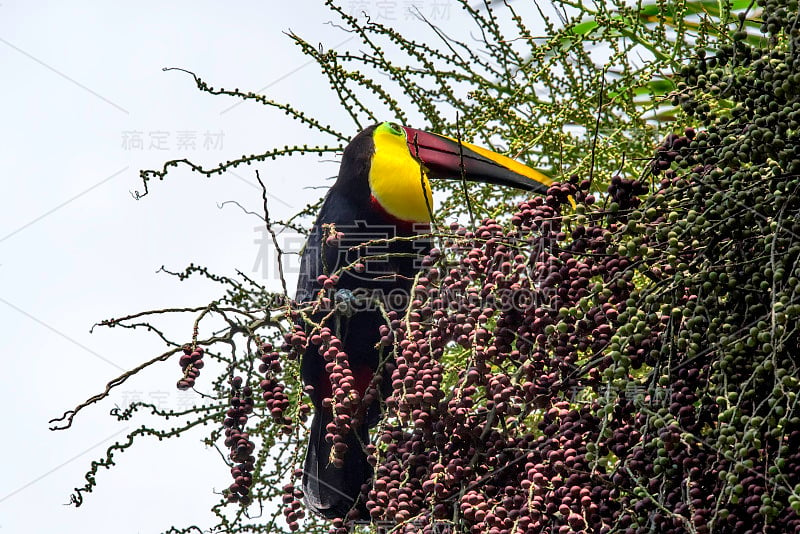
x,y
345,302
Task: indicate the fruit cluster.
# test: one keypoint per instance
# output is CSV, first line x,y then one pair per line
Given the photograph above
x,y
344,398
238,441
275,400
293,508
191,361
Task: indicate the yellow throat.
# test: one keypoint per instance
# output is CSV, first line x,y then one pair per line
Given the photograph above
x,y
397,181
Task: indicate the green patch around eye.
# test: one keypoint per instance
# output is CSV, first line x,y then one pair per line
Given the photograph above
x,y
393,128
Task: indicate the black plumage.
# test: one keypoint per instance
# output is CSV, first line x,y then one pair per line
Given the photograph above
x,y
349,206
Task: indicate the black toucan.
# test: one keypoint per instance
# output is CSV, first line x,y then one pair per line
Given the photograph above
x,y
382,192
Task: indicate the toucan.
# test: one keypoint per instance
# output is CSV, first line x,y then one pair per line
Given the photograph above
x,y
369,233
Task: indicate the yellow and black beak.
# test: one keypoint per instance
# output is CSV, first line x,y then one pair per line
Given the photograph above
x,y
445,157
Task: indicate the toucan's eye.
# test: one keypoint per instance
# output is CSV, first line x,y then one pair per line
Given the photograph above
x,y
394,128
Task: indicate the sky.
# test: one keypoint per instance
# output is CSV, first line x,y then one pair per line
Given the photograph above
x,y
86,105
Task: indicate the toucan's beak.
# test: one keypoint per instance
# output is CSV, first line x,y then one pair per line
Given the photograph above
x,y
445,157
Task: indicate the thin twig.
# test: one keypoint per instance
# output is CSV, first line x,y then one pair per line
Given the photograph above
x,y
463,171
272,233
597,125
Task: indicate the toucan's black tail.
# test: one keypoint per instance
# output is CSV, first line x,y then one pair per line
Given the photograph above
x,y
330,491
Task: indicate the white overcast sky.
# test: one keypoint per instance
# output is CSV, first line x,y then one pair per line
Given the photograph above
x,y
82,82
